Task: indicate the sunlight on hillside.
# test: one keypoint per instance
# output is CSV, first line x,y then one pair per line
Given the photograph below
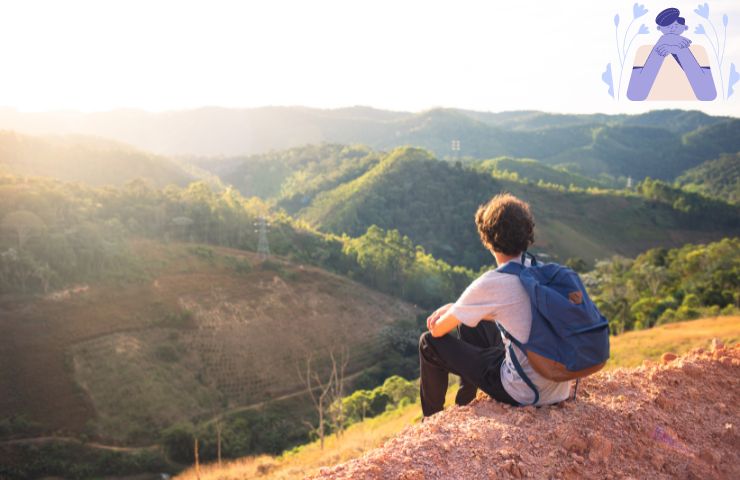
x,y
309,458
631,348
627,350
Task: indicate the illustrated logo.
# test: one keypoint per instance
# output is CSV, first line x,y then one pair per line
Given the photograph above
x,y
672,68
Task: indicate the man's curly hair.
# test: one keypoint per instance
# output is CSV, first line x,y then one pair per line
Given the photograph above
x,y
505,224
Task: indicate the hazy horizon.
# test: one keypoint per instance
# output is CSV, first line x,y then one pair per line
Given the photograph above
x,y
346,107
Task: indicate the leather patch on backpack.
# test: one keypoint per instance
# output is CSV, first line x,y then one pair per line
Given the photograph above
x,y
575,297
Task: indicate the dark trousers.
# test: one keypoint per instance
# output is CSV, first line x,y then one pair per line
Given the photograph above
x,y
476,357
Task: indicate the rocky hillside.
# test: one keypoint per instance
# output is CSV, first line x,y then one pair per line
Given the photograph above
x,y
675,419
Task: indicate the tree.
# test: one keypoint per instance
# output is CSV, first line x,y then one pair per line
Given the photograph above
x,y
397,388
577,263
23,223
338,367
319,391
326,395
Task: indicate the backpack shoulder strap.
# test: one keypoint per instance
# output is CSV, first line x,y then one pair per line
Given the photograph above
x,y
515,268
512,268
515,361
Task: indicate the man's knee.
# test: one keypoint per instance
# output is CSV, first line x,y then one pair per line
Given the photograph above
x,y
426,342
424,339
429,345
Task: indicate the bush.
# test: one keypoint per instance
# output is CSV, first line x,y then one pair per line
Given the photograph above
x,y
205,253
577,264
167,353
75,461
271,266
240,265
178,442
398,389
668,316
17,424
183,319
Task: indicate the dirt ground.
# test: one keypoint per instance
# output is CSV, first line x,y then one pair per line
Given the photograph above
x,y
675,419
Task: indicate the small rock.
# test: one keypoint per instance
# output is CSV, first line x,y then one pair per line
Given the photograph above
x,y
574,443
601,449
710,456
668,357
664,402
577,457
692,371
657,461
513,470
412,474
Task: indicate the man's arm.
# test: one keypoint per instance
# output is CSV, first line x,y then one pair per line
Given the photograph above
x,y
444,325
642,78
700,78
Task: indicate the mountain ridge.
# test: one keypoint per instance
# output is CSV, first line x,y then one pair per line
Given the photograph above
x,y
212,131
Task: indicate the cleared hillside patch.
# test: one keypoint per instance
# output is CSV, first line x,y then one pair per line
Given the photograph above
x,y
202,332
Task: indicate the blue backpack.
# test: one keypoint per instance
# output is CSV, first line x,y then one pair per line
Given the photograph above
x,y
569,338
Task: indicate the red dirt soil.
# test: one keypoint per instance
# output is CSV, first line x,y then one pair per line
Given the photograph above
x,y
678,419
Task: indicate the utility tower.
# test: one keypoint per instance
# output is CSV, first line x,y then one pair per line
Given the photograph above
x,y
455,147
263,245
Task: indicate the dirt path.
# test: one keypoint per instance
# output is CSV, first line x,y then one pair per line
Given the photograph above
x,y
254,406
99,446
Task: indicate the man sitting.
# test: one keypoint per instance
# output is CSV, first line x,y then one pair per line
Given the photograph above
x,y
480,356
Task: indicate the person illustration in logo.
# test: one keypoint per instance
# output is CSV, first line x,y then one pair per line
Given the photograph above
x,y
672,69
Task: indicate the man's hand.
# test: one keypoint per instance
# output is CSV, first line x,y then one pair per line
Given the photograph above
x,y
664,50
432,319
674,40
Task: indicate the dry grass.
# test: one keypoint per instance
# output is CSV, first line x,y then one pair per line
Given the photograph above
x,y
632,348
628,350
308,459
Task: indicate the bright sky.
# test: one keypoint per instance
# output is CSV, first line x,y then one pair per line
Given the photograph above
x,y
393,54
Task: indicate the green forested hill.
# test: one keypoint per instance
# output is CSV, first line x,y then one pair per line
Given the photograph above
x,y
677,121
665,285
293,177
656,144
536,171
717,178
95,161
431,201
648,151
434,202
660,144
